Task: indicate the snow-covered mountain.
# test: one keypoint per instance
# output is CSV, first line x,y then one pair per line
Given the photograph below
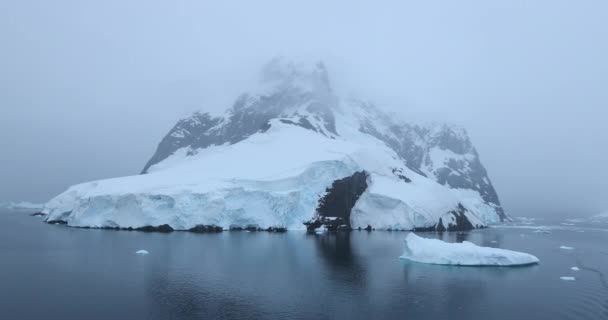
x,y
293,152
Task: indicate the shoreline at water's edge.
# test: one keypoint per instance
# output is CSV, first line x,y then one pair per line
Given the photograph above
x,y
165,228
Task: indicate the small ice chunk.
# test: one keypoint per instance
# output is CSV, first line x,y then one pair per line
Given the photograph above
x,y
566,248
320,230
142,252
575,269
542,231
568,278
494,241
435,251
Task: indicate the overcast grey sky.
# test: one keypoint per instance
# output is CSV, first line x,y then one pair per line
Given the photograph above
x,y
88,88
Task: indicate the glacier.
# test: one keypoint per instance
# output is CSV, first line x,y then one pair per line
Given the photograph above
x,y
286,155
433,251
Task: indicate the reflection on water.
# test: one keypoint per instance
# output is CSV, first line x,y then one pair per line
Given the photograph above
x,y
94,274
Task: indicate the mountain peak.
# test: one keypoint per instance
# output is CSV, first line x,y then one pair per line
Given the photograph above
x,y
306,76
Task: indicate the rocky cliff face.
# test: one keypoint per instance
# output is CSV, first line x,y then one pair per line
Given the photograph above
x,y
300,97
442,152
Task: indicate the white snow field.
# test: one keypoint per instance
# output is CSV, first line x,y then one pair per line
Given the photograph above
x,y
275,176
433,251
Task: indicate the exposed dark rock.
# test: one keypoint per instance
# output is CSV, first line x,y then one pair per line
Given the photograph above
x,y
206,229
343,227
276,229
368,228
405,138
256,228
313,224
38,214
57,222
342,196
458,222
165,228
331,223
250,228
252,114
162,228
302,122
399,173
333,210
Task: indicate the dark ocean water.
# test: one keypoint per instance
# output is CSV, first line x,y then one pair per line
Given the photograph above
x,y
56,272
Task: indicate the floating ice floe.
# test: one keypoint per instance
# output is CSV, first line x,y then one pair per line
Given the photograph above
x,y
22,205
433,251
575,269
568,278
542,231
142,252
566,248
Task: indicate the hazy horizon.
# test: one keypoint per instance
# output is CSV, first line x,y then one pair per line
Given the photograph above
x,y
88,89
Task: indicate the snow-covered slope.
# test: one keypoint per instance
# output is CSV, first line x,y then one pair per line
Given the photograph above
x,y
291,153
433,251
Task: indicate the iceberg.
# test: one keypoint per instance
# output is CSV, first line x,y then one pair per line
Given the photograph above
x,y
542,231
142,252
433,251
568,278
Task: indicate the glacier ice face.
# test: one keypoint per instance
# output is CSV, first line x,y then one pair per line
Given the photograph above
x,y
270,158
433,251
